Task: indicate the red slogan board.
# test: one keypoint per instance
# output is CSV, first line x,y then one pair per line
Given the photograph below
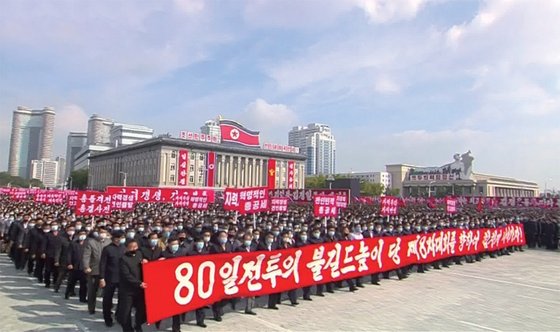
x,y
183,284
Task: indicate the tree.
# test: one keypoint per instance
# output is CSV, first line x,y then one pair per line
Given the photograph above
x,y
371,189
393,192
316,182
79,179
16,181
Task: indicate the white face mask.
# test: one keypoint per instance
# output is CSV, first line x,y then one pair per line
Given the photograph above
x,y
81,237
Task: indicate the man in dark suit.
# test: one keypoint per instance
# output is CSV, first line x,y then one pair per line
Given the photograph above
x,y
109,273
75,267
173,250
248,245
200,247
131,289
270,244
51,248
61,256
222,246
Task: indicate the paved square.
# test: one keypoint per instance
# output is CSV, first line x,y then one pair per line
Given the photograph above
x,y
520,292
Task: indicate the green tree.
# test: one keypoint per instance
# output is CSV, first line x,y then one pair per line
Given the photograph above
x,y
371,189
16,181
393,192
316,182
79,179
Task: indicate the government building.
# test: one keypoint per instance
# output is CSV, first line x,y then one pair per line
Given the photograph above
x,y
456,178
199,160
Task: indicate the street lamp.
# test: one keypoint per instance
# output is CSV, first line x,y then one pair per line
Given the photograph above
x,y
430,188
124,178
330,180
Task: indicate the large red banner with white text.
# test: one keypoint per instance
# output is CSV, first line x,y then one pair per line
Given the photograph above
x,y
186,283
246,200
163,195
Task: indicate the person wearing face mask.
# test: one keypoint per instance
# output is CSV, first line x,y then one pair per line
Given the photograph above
x,y
61,256
37,250
222,246
109,272
52,250
199,248
269,244
131,289
173,250
302,241
152,251
28,246
287,243
21,231
75,267
91,259
248,245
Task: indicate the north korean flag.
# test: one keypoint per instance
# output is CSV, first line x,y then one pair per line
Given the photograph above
x,y
233,132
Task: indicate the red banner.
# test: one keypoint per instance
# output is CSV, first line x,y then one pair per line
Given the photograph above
x,y
246,200
306,195
233,132
210,169
50,196
194,199
325,206
291,174
271,173
92,203
161,195
279,204
451,205
183,167
389,206
71,198
183,284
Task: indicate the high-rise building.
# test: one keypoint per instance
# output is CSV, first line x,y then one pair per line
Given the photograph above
x,y
104,134
74,144
126,134
31,139
212,128
61,179
99,130
318,144
46,171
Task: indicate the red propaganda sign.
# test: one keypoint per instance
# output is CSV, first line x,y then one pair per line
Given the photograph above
x,y
161,195
121,201
451,205
325,206
183,167
271,173
71,198
184,284
194,199
19,194
246,200
389,206
279,204
291,174
306,195
92,203
50,196
234,132
210,169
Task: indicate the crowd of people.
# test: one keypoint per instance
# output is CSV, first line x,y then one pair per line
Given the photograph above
x,y
63,251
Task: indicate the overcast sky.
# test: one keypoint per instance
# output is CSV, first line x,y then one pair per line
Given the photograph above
x,y
399,81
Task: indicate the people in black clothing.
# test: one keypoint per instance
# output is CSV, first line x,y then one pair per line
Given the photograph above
x,y
131,289
109,273
75,267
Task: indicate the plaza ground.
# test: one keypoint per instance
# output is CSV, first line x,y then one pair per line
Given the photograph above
x,y
520,292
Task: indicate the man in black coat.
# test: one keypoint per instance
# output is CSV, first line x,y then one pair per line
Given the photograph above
x,y
222,246
109,273
174,250
248,245
61,256
200,247
131,289
270,244
51,248
75,267
151,251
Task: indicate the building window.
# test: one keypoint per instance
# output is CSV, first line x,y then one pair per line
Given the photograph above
x,y
191,155
191,179
191,168
172,167
201,156
172,178
173,154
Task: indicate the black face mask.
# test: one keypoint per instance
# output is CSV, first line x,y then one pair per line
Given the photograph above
x,y
131,252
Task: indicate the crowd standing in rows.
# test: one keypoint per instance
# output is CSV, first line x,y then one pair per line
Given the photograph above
x,y
53,245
